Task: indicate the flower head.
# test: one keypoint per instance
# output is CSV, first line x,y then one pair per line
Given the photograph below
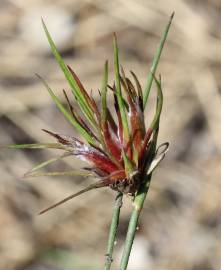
x,y
116,145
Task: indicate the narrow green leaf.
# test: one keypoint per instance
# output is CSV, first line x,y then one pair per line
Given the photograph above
x,y
104,115
88,98
34,146
67,115
67,173
119,94
104,94
98,184
154,126
156,61
46,163
129,166
85,107
77,117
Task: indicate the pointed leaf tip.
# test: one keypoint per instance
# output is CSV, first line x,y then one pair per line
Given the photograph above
x,y
104,93
66,114
96,185
156,61
72,80
120,100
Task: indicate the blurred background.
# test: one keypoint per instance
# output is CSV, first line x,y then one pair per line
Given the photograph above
x,y
180,227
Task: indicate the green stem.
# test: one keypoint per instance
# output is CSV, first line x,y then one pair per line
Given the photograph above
x,y
113,230
156,61
138,205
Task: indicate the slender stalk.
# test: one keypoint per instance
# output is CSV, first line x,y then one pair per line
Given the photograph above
x,y
113,230
138,205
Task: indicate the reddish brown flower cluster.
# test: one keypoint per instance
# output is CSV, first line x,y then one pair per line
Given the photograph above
x,y
117,145
120,161
107,158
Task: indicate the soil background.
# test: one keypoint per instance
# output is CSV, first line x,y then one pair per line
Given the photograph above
x,y
180,227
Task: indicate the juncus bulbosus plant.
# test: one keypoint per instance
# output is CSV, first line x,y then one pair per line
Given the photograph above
x,y
121,154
